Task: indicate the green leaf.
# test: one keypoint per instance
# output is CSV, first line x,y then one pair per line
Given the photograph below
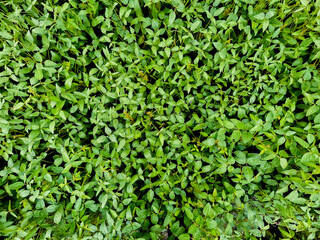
x,y
246,137
97,20
310,159
104,200
184,236
48,177
65,155
248,173
127,229
38,74
172,17
283,163
218,45
301,142
121,144
195,25
209,142
188,213
193,229
29,37
312,110
150,195
256,232
167,220
218,11
101,139
305,2
5,34
17,106
228,124
294,197
270,14
260,16
68,83
130,188
317,119
51,126
167,51
16,186
77,205
281,141
137,8
207,209
50,9
58,215
310,138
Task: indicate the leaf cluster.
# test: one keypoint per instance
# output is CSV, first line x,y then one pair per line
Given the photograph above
x,y
153,119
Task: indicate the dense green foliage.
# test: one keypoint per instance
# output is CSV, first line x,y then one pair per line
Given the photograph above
x,y
137,119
